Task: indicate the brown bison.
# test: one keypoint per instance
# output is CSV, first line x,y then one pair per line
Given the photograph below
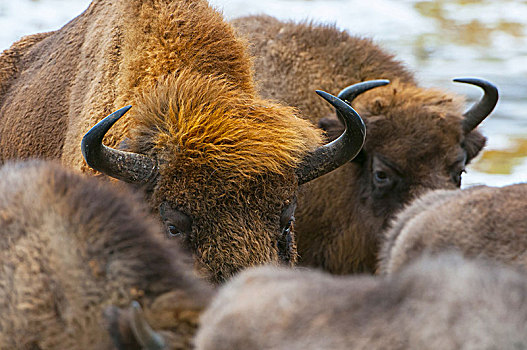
x,y
442,303
418,138
478,222
74,252
220,164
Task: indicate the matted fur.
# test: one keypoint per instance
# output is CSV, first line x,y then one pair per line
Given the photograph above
x,y
442,303
341,217
71,246
227,158
481,221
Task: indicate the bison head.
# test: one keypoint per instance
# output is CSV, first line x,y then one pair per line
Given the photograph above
x,y
418,139
222,166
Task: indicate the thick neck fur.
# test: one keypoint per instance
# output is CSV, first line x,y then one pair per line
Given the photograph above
x,y
163,36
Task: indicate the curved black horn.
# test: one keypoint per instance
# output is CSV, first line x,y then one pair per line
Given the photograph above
x,y
329,157
480,110
126,166
351,92
143,333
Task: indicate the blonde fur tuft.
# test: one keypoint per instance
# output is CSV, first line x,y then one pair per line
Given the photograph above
x,y
207,121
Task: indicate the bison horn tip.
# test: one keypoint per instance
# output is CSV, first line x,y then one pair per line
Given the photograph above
x,y
126,166
336,153
480,110
144,334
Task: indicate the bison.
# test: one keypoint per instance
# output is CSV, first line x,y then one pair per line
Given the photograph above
x,y
75,252
477,222
445,302
418,138
220,164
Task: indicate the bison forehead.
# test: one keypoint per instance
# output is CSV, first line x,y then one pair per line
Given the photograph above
x,y
204,120
412,125
180,178
423,141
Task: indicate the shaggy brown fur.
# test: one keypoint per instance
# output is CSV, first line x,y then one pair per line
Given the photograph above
x,y
478,222
227,158
72,246
441,303
414,136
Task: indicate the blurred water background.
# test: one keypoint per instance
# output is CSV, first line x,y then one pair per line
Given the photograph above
x,y
438,39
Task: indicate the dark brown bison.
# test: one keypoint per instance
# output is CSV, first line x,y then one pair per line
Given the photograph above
x,y
481,221
75,252
418,138
445,302
219,163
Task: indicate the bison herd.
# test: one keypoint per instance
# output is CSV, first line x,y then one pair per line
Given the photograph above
x,y
144,227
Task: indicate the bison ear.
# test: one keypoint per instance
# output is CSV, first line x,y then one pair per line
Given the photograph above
x,y
473,144
118,326
332,127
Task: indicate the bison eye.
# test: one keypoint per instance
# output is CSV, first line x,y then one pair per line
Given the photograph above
x,y
385,176
173,231
177,223
287,228
456,177
383,180
458,168
287,217
380,176
285,243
